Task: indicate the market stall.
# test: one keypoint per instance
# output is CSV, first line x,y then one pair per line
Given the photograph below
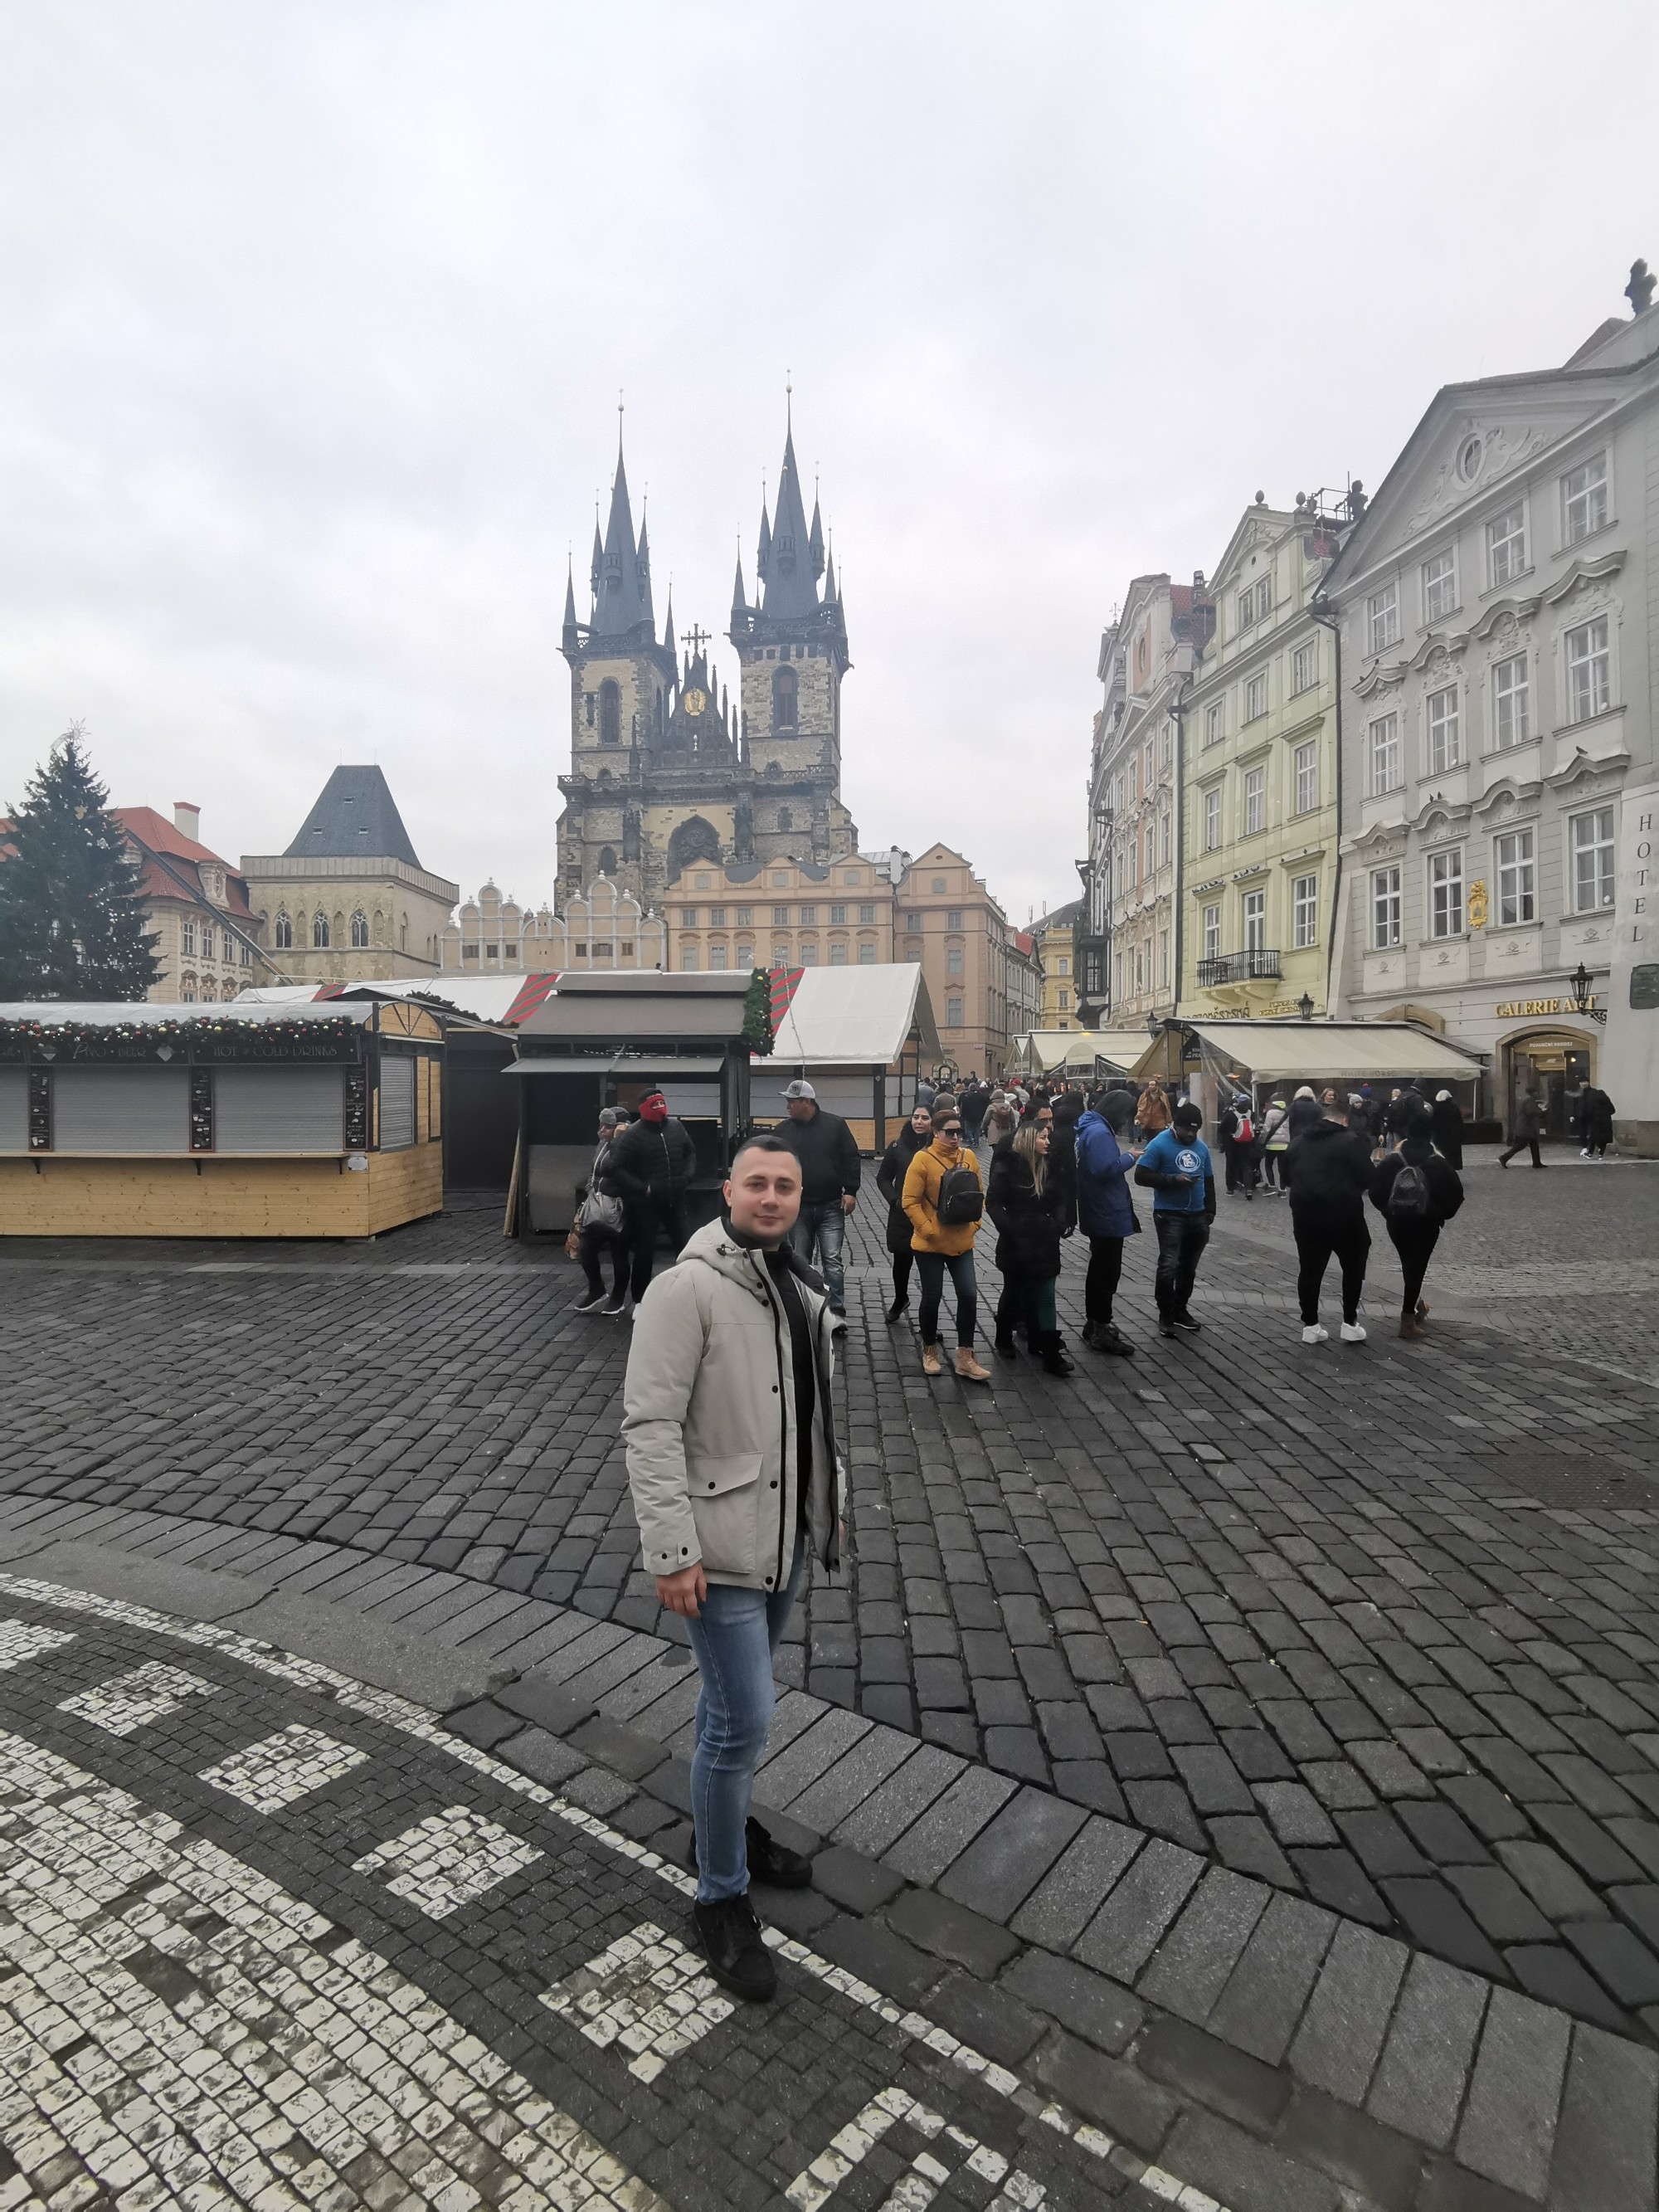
x,y
287,1120
860,1036
1277,1055
1079,1055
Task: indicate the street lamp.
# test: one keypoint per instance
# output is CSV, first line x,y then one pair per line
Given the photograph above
x,y
1304,1006
1580,984
1154,1026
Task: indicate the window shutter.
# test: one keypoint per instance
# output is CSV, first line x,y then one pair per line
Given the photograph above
x,y
121,1110
396,1101
276,1110
14,1110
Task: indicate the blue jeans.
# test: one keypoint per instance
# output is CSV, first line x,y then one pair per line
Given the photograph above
x,y
825,1224
734,1638
931,1267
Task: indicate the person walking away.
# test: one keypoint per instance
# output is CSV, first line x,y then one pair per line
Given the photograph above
x,y
1024,1208
976,1098
1002,1118
1106,1215
1393,1117
1417,1192
651,1163
944,1201
1525,1129
1305,1110
1237,1130
1446,1117
830,1172
1176,1166
1152,1110
1359,1121
916,1134
1595,1112
1329,1172
1275,1141
729,1432
1060,1173
601,1226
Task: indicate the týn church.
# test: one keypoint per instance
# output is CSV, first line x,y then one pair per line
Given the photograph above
x,y
666,769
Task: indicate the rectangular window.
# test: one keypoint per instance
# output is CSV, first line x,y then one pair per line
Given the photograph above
x,y
746,917
1147,843
867,911
837,955
1506,546
1446,894
1517,887
1584,500
1385,755
1256,800
687,917
745,956
913,921
837,916
717,956
1255,921
953,917
1163,959
1439,586
188,938
1213,724
688,957
1306,761
1213,820
247,954
866,956
1247,607
1063,965
953,960
780,917
1592,860
808,956
1383,611
1165,836
1511,714
1165,749
1304,911
1588,691
780,956
1444,749
1304,667
809,917
1256,697
1385,907
1065,1002
953,1013
1213,933
717,917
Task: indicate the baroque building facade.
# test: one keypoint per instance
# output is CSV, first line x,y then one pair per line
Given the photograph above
x,y
666,769
196,904
1500,782
600,928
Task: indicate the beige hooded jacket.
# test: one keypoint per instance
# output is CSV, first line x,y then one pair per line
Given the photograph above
x,y
708,1419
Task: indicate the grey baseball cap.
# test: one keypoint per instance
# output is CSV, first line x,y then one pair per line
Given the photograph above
x,y
801,1088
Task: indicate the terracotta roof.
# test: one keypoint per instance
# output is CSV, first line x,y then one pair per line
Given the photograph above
x,y
1181,598
158,839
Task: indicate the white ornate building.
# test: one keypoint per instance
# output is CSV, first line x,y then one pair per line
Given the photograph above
x,y
1498,753
604,926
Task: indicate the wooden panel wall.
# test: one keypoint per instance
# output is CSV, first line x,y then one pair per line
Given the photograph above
x,y
217,1196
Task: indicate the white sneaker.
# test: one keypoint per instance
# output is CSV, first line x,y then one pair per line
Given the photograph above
x,y
1312,1334
1352,1333
1585,1154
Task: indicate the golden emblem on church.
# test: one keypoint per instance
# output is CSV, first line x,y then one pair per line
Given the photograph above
x,y
1478,903
695,701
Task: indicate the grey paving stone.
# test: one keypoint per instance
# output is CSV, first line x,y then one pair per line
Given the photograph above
x,y
877,1955
632,1699
431,1672
861,1885
1337,2045
952,1931
783,1774
194,1592
1606,2138
1426,2060
1074,1890
1113,2093
544,1757
1381,2168
1242,2173
1199,1950
1011,1854
549,1705
1263,2000
1508,2130
894,1805
858,1771
948,1827
1124,1932
1085,2003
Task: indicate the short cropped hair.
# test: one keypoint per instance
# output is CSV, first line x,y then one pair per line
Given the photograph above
x,y
763,1143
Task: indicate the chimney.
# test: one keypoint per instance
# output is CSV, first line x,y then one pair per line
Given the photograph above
x,y
187,820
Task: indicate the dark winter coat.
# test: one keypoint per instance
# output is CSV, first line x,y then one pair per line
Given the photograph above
x,y
1595,1116
1105,1207
1027,1221
1445,1184
890,1181
1329,1171
1447,1117
1304,1112
652,1159
830,1162
1528,1119
1361,1125
1059,1177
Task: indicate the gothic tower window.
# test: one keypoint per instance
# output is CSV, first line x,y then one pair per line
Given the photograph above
x,y
320,931
359,930
783,699
607,860
786,819
284,930
609,711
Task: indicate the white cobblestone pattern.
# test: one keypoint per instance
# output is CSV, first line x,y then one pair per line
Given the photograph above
x,y
133,1701
648,1993
954,2151
190,2045
28,1639
281,1769
448,1860
415,1722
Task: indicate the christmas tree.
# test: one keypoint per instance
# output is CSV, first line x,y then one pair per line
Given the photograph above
x,y
70,923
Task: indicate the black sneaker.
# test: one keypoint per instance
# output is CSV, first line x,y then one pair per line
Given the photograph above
x,y
1184,1320
1006,1348
1107,1339
592,1302
774,1863
729,1937
1166,1325
898,1306
616,1307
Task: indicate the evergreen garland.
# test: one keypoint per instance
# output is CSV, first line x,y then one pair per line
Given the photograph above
x,y
71,922
757,1012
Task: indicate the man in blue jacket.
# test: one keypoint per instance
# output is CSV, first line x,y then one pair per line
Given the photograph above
x,y
1106,1215
1176,1166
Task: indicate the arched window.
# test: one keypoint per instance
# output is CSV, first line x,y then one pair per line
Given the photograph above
x,y
783,699
359,930
187,990
320,931
284,930
609,711
209,990
605,779
607,861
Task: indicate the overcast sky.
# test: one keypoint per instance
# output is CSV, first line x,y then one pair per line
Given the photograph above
x,y
313,320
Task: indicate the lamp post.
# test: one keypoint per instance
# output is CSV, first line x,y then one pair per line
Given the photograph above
x,y
1580,983
1304,1006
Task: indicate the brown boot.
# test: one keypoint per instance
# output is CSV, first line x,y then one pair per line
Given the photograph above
x,y
1412,1329
969,1368
930,1360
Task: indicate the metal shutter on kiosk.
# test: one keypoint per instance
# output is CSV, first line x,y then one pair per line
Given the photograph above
x,y
396,1100
121,1110
14,1110
276,1110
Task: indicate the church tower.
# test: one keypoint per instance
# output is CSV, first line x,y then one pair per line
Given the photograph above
x,y
791,644
622,679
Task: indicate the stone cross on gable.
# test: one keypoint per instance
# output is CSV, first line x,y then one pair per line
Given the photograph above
x,y
696,639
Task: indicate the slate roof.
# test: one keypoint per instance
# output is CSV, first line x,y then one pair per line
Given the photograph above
x,y
355,818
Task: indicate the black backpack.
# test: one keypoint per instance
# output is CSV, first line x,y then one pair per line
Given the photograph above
x,y
1408,1196
960,1198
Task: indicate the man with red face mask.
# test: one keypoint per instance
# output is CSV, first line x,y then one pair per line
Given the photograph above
x,y
651,1164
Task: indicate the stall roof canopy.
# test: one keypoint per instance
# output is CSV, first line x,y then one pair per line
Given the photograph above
x,y
664,1066
488,999
856,1017
1303,1052
1047,1048
148,1014
641,1009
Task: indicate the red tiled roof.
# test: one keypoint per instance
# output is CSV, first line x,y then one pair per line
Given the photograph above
x,y
157,836
1181,598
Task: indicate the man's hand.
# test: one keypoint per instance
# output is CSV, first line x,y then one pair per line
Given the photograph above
x,y
849,1199
682,1593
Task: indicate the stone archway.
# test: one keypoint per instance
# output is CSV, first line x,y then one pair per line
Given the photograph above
x,y
691,841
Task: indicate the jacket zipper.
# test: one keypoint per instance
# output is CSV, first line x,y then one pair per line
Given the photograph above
x,y
783,1416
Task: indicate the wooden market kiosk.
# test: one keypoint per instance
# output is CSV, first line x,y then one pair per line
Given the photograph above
x,y
307,1120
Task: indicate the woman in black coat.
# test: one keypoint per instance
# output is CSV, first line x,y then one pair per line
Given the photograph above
x,y
915,1137
1435,1193
1026,1210
1446,1127
1595,1121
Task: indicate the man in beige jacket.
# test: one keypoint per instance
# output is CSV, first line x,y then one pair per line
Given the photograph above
x,y
732,1465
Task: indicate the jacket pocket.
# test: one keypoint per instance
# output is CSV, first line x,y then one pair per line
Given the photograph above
x,y
724,1505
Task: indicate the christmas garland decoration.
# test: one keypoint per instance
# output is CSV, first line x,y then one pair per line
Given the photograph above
x,y
757,1012
74,1034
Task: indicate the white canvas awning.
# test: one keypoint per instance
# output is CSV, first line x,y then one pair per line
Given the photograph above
x,y
855,1018
1043,1051
1292,1051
